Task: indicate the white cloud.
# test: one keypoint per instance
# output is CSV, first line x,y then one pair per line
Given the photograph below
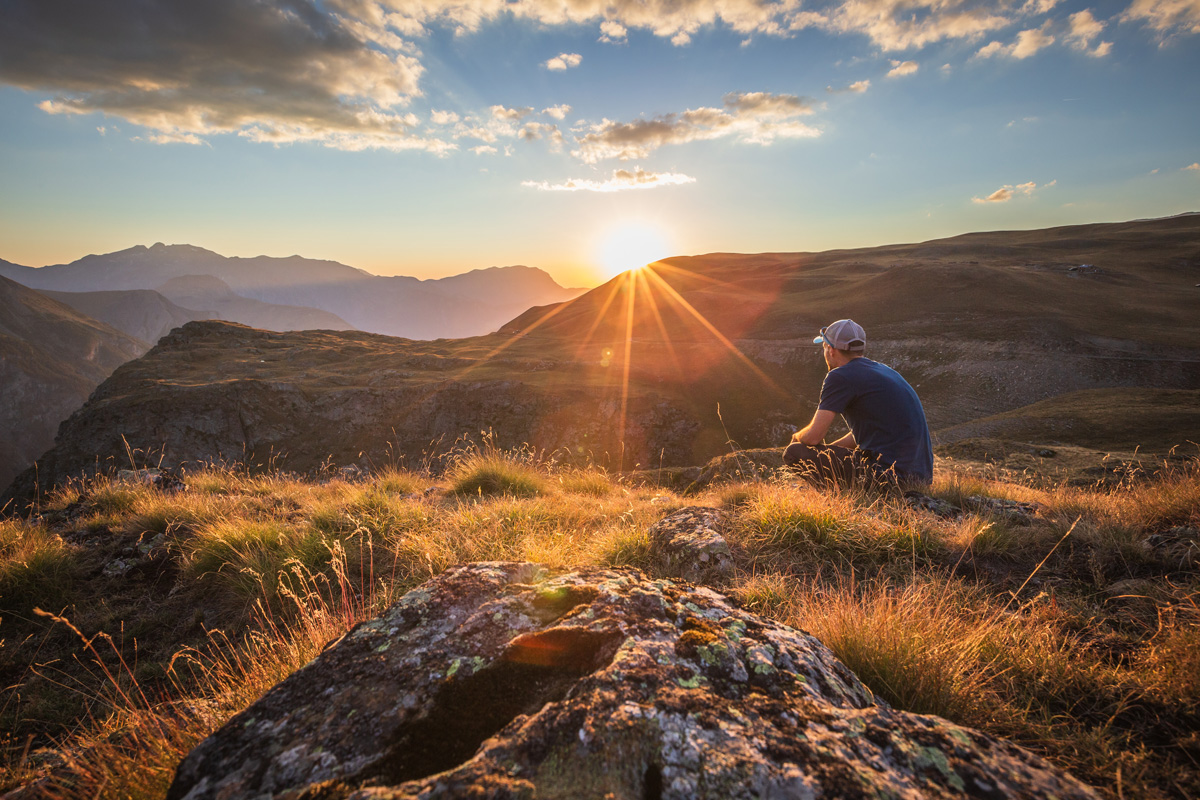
x,y
621,180
1038,6
534,131
613,31
173,138
908,24
901,68
557,112
1168,18
1084,28
443,117
858,87
1192,167
484,149
513,114
564,61
1008,192
1027,44
753,118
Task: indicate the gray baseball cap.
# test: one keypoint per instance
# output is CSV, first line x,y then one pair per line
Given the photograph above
x,y
845,334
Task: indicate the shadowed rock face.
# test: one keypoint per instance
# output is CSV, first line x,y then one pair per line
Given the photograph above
x,y
506,680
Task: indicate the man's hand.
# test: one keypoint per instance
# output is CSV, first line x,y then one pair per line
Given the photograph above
x,y
814,432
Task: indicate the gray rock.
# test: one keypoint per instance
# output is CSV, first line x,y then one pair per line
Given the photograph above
x,y
933,505
504,680
692,541
1011,510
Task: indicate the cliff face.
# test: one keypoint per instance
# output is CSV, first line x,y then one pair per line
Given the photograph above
x,y
220,391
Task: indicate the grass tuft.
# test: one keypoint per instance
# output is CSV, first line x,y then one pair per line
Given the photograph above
x,y
486,474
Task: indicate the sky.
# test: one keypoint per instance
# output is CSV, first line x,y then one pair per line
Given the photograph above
x,y
430,138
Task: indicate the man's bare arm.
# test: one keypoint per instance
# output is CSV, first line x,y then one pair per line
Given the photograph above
x,y
812,433
846,441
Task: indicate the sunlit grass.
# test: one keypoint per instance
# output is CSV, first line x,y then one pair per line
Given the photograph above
x,y
36,566
1069,666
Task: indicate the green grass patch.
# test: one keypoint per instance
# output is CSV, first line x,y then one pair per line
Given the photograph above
x,y
487,474
37,568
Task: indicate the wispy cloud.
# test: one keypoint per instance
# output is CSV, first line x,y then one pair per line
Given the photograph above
x,y
1084,29
1008,192
1192,167
858,87
621,180
755,118
613,31
902,68
564,61
1028,43
1168,18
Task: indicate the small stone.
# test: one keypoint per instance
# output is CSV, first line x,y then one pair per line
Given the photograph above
x,y
691,540
1011,510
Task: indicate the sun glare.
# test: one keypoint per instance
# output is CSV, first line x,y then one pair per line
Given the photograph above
x,y
631,245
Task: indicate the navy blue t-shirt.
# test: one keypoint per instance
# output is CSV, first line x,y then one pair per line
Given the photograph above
x,y
884,414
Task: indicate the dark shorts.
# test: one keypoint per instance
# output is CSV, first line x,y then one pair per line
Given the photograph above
x,y
826,464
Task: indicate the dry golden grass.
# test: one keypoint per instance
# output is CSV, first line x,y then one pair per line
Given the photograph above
x,y
281,565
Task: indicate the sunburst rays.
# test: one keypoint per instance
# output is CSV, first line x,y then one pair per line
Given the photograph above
x,y
628,315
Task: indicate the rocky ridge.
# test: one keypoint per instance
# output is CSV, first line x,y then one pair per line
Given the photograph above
x,y
505,679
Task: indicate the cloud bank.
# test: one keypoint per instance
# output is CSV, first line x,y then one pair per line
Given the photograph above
x,y
272,72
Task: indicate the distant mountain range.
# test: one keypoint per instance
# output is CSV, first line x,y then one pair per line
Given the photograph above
x,y
668,365
470,304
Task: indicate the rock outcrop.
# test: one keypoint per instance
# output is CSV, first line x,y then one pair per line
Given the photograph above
x,y
505,680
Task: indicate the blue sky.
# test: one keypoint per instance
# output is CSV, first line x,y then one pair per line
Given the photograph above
x,y
428,138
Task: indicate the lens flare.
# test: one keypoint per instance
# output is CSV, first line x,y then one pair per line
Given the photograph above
x,y
631,246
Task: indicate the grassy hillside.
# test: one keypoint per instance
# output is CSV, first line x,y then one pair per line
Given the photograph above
x,y
1154,420
1073,629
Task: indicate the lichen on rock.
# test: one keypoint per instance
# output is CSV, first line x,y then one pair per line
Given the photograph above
x,y
512,680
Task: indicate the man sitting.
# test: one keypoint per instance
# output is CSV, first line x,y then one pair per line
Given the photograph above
x,y
889,437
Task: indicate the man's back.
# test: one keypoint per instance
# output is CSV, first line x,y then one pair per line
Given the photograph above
x,y
884,414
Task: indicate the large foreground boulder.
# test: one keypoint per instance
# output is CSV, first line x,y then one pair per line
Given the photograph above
x,y
507,680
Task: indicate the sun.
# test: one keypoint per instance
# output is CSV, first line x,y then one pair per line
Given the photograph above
x,y
631,245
